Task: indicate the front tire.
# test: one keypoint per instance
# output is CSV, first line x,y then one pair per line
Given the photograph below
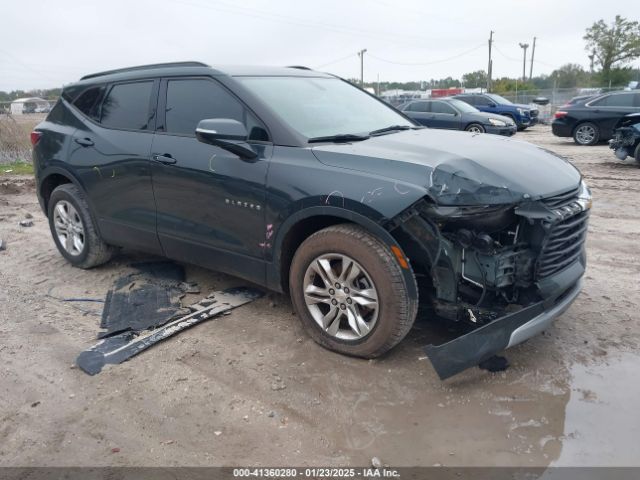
x,y
73,229
586,134
475,128
350,292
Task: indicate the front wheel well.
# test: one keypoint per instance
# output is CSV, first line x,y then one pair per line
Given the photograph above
x,y
49,184
297,234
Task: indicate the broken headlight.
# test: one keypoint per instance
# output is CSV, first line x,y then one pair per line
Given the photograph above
x,y
487,218
584,196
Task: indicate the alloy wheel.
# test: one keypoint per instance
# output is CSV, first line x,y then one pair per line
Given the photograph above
x,y
585,134
69,227
341,296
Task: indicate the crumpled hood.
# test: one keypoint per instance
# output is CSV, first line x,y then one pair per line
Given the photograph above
x,y
458,168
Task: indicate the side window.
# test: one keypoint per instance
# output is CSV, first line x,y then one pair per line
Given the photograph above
x,y
192,100
470,99
614,100
89,100
419,107
482,101
620,100
127,106
442,107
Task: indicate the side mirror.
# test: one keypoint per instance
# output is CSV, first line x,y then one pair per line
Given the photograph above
x,y
226,133
492,105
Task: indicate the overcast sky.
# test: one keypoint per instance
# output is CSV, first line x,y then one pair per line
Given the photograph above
x,y
49,43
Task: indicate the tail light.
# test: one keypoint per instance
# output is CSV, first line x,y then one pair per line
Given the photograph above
x,y
35,137
560,114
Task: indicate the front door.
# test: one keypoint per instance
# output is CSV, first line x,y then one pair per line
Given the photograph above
x,y
210,203
444,116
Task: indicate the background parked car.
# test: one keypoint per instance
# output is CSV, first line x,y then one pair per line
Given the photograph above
x,y
594,121
454,114
523,115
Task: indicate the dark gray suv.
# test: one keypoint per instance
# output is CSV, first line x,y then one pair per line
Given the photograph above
x,y
300,182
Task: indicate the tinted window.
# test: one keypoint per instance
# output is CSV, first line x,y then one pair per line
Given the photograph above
x,y
189,101
483,101
419,107
615,100
442,107
468,99
127,106
89,100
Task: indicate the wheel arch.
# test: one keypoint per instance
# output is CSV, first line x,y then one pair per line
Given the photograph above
x,y
51,178
304,223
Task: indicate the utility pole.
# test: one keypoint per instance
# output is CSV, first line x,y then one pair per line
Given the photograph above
x,y
524,47
592,59
490,65
361,55
533,52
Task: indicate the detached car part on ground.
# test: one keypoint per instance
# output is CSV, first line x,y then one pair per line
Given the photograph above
x,y
626,138
300,182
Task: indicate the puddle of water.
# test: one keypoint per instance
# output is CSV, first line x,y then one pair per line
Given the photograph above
x,y
602,423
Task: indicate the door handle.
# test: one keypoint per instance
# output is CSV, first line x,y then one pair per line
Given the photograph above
x,y
165,159
85,142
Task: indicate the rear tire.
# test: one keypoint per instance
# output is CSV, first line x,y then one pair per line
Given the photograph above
x,y
475,128
586,134
73,229
369,311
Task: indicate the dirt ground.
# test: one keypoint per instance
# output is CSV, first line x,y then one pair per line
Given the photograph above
x,y
252,389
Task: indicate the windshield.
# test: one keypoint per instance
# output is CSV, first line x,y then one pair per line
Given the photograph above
x,y
464,107
319,107
498,99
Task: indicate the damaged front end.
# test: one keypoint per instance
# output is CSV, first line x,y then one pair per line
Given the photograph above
x,y
626,138
506,270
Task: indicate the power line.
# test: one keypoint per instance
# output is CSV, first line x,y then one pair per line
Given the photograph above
x,y
466,52
337,60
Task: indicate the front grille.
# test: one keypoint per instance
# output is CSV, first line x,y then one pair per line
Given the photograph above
x,y
563,244
533,113
562,200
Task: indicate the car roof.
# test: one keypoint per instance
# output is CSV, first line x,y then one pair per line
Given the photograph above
x,y
197,68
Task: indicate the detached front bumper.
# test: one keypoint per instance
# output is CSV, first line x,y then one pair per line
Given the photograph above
x,y
480,344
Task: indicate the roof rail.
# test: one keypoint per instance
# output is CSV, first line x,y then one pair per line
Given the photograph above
x,y
299,67
146,67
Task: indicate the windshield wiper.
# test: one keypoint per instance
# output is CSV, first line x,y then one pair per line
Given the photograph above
x,y
392,128
340,137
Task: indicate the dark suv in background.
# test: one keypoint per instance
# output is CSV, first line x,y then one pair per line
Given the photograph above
x,y
594,121
523,115
300,182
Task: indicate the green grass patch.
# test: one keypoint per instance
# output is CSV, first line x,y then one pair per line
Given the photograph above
x,y
16,168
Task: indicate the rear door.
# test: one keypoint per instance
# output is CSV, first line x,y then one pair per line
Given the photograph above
x,y
110,152
210,203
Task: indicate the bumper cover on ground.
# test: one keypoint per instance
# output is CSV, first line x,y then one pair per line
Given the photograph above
x,y
469,350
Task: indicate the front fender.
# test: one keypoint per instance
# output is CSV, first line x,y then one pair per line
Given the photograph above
x,y
274,280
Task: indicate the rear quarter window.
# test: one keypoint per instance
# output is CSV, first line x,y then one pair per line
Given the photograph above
x,y
126,106
89,100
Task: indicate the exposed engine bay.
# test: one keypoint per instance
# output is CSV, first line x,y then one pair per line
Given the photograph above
x,y
484,262
626,140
